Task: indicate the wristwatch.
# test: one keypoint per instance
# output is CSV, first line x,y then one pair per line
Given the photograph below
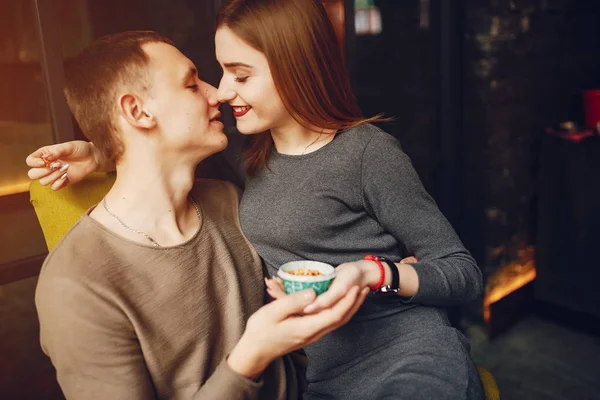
x,y
394,287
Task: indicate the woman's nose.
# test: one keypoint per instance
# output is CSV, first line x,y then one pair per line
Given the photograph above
x,y
224,93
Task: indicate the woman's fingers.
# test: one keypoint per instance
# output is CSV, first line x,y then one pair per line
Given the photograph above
x,y
43,156
38,158
61,182
54,175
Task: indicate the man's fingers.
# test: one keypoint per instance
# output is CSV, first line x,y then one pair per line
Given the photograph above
x,y
274,288
409,260
276,294
330,297
329,318
315,326
282,308
360,299
356,301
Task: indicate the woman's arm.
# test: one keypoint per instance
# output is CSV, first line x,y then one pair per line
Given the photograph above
x,y
446,273
62,164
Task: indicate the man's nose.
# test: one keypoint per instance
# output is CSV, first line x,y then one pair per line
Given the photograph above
x,y
210,93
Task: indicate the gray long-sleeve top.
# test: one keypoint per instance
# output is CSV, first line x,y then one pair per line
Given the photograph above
x,y
357,195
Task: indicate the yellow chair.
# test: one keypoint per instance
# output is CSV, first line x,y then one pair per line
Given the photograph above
x,y
489,384
58,211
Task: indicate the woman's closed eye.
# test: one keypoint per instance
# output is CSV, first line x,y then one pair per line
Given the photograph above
x,y
240,79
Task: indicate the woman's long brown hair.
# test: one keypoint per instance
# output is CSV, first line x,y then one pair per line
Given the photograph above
x,y
306,62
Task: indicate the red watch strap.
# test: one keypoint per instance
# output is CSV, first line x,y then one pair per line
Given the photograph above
x,y
381,271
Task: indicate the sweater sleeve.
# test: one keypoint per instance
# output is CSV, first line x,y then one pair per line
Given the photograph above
x,y
393,193
90,342
97,355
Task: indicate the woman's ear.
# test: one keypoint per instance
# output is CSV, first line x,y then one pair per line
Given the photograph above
x,y
132,109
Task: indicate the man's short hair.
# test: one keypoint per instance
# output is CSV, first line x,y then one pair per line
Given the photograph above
x,y
93,78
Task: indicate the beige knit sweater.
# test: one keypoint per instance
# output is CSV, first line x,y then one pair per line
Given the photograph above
x,y
121,320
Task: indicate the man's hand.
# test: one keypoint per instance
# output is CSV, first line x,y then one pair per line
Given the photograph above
x,y
64,163
277,329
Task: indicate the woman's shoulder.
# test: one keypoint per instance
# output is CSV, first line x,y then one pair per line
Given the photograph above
x,y
369,135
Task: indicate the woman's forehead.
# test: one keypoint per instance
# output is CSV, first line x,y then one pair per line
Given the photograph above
x,y
230,48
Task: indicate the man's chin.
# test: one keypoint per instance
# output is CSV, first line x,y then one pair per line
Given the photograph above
x,y
223,145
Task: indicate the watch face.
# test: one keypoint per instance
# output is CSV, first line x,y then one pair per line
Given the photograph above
x,y
387,291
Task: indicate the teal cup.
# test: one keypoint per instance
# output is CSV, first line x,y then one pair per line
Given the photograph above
x,y
297,283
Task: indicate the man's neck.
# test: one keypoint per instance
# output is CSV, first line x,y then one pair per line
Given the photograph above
x,y
151,196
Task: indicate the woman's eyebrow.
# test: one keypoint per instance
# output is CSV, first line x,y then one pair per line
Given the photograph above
x,y
236,64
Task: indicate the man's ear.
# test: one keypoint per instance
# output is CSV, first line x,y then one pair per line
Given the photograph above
x,y
132,109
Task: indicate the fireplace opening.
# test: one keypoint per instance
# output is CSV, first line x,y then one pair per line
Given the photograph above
x,y
508,291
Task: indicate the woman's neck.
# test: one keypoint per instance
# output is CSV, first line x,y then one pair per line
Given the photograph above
x,y
296,139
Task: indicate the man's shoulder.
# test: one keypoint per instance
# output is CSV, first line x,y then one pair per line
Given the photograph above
x,y
208,184
214,190
82,251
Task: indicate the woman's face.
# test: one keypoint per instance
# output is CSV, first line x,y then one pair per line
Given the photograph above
x,y
248,87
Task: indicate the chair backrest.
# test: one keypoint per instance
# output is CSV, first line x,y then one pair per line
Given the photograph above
x,y
58,211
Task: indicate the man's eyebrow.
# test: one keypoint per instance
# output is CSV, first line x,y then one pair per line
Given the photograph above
x,y
236,64
191,73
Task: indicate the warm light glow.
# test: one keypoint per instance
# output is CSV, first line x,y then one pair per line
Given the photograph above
x,y
14,188
508,279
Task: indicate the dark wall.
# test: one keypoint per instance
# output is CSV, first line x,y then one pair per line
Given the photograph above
x,y
395,75
524,66
526,63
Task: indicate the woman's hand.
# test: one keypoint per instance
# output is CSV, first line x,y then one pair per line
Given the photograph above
x,y
360,273
277,329
64,163
357,273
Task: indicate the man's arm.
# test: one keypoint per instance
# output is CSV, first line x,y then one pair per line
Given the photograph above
x,y
97,355
91,343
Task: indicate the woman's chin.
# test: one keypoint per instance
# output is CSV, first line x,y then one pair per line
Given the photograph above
x,y
247,129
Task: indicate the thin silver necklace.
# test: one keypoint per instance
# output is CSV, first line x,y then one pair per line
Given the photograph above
x,y
313,142
154,242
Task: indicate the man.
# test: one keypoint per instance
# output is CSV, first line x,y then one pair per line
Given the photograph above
x,y
149,294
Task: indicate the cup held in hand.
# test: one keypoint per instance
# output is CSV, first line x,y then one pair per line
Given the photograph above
x,y
301,275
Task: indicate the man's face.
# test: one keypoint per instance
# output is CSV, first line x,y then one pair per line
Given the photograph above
x,y
178,100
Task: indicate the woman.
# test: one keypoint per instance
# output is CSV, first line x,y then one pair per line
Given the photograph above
x,y
324,184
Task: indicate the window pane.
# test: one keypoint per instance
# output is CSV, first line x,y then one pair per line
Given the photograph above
x,y
24,117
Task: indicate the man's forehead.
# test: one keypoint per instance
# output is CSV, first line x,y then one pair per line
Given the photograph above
x,y
167,59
